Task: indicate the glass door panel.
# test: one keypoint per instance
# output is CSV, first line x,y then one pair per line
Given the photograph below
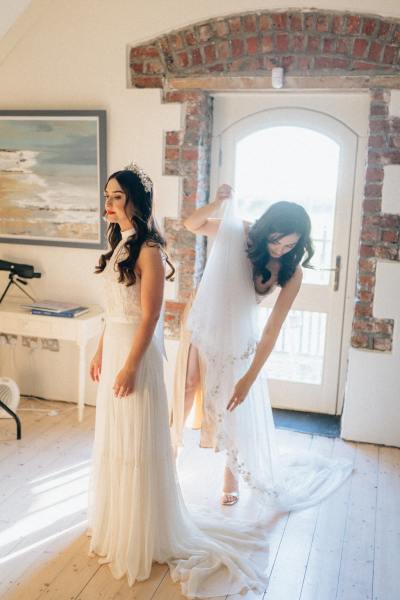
x,y
294,164
290,147
299,351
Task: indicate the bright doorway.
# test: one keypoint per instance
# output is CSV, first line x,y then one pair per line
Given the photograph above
x,y
311,153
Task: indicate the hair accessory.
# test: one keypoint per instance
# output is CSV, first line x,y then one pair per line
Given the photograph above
x,y
144,178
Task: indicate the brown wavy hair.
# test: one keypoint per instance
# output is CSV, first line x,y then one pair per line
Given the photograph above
x,y
284,218
146,230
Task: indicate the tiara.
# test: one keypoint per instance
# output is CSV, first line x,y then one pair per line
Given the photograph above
x,y
144,178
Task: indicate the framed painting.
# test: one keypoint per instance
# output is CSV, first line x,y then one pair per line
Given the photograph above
x,y
52,174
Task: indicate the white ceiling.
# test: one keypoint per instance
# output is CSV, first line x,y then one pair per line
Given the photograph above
x,y
10,10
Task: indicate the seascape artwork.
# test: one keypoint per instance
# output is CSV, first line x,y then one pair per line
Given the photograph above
x,y
50,180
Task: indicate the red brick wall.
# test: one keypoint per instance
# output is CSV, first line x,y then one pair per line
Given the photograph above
x,y
187,154
304,43
380,232
300,42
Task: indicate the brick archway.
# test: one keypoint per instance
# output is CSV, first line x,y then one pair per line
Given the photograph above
x,y
318,50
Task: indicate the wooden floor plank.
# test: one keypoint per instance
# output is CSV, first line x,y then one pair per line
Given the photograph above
x,y
8,427
39,436
386,583
295,545
41,504
48,461
52,455
247,596
73,577
103,586
32,571
33,425
311,552
168,590
321,577
288,442
49,510
357,561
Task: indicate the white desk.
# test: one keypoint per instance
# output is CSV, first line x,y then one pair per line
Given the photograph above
x,y
19,321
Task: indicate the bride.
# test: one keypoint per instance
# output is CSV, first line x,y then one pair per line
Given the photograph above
x,y
246,262
137,514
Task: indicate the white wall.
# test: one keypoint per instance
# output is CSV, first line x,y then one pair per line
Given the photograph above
x,y
74,57
372,405
72,54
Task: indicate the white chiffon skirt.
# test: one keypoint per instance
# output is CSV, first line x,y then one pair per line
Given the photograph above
x,y
224,322
136,512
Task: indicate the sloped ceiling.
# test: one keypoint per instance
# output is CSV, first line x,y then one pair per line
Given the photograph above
x,y
10,10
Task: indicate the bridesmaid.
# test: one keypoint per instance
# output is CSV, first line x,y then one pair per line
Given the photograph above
x,y
247,261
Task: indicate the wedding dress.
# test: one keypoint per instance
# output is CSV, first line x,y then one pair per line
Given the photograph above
x,y
137,514
223,321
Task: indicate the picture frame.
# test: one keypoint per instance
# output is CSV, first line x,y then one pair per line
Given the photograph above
x,y
53,170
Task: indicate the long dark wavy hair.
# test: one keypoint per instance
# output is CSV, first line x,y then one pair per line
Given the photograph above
x,y
146,230
283,218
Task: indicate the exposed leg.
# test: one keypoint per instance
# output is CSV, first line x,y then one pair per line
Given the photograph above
x,y
230,494
192,380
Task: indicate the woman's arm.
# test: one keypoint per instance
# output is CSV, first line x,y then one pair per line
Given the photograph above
x,y
268,338
151,270
95,363
200,222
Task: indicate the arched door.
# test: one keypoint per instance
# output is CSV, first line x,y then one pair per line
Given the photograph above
x,y
310,157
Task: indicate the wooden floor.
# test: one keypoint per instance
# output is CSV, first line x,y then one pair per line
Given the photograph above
x,y
348,548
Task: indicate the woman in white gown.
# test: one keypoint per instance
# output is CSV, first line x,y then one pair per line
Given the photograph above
x,y
246,261
136,513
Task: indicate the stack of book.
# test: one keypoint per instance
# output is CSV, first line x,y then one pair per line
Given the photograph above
x,y
53,308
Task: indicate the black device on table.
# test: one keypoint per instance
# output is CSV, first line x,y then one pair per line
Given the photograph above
x,y
18,273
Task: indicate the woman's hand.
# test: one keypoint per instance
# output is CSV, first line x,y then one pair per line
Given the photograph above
x,y
240,392
124,383
223,192
95,366
203,221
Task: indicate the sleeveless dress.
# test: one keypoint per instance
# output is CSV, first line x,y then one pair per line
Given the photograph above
x,y
136,511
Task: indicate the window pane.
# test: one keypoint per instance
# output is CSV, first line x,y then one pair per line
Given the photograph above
x,y
299,351
295,164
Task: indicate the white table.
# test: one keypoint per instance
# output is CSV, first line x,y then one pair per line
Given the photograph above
x,y
16,320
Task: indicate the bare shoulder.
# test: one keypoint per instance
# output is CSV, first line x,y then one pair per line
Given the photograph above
x,y
295,281
291,288
150,256
150,249
298,274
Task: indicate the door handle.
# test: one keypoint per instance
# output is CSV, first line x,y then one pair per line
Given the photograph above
x,y
336,269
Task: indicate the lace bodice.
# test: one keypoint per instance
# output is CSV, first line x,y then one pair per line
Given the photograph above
x,y
122,302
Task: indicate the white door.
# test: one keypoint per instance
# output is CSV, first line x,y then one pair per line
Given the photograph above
x,y
306,155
